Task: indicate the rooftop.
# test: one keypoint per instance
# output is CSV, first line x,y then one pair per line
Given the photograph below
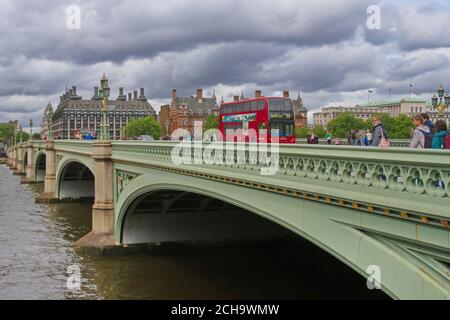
x,y
387,103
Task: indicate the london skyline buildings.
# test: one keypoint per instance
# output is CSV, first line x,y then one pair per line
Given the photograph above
x,y
322,48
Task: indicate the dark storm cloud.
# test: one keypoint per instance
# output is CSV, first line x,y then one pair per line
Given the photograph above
x,y
118,30
321,48
413,25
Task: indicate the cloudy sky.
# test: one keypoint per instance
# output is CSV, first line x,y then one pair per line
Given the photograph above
x,y
322,48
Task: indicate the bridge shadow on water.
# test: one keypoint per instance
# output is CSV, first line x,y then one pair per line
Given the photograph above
x,y
290,268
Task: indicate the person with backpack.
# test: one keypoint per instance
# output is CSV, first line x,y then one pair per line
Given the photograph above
x,y
441,139
380,135
421,136
428,123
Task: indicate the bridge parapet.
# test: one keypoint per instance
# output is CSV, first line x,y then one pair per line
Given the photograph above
x,y
74,147
398,143
402,183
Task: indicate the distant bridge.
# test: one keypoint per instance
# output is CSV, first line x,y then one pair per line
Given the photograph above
x,y
370,208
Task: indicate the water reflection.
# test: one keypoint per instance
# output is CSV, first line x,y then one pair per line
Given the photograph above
x,y
37,241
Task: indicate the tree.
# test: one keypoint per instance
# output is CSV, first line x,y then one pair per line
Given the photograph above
x,y
302,132
319,131
36,136
211,122
7,133
143,126
344,123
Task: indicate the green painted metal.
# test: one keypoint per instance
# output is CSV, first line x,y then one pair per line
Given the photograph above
x,y
365,206
396,143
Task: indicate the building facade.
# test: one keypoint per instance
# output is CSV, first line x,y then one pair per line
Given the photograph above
x,y
409,107
75,115
185,111
44,122
300,112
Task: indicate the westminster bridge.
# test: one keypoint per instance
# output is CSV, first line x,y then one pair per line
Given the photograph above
x,y
373,209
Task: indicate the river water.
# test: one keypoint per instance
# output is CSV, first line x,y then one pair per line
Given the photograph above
x,y
37,248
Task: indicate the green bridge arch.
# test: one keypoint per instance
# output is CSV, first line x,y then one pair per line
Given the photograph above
x,y
340,232
63,163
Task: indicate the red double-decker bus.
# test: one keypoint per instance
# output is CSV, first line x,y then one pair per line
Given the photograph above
x,y
271,113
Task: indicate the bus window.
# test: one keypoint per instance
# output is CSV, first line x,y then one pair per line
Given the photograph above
x,y
246,106
280,104
284,128
254,106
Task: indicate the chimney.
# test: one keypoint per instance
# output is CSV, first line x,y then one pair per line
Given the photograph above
x,y
129,95
135,95
95,96
142,95
199,94
74,90
174,94
236,98
285,94
258,94
121,97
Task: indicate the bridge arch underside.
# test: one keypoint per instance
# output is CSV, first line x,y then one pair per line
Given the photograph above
x,y
180,216
75,181
40,165
362,241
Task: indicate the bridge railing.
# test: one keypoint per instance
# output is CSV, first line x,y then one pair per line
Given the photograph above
x,y
393,142
406,181
74,146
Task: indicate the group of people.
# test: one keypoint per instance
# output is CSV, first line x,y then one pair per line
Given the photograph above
x,y
360,137
425,135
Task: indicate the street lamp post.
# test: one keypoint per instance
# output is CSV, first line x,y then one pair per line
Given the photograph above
x,y
441,101
104,94
31,129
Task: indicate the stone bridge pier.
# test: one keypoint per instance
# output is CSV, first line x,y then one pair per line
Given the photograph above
x,y
102,235
29,165
20,170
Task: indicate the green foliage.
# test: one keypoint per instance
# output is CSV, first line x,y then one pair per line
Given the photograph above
x,y
211,122
344,123
397,127
36,136
302,132
143,126
7,133
319,131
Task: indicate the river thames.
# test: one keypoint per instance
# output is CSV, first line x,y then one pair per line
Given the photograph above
x,y
37,248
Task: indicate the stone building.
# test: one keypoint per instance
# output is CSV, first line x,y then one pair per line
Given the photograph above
x,y
44,122
300,112
409,107
184,111
75,114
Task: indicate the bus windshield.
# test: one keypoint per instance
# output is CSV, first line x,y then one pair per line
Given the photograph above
x,y
280,105
284,128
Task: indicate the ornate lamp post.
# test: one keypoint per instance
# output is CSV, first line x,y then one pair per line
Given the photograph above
x,y
15,135
441,101
21,138
31,129
104,94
